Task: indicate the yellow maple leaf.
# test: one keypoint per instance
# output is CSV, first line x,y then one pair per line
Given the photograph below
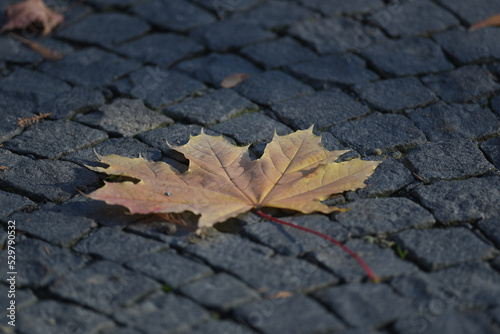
x,y
295,172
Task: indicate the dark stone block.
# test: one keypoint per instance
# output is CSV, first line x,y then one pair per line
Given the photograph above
x,y
461,85
438,248
53,139
297,315
10,203
212,108
51,180
492,150
333,71
491,228
383,215
222,292
215,67
68,104
322,109
335,35
495,105
442,122
90,67
106,4
160,49
221,326
104,286
408,56
271,87
177,15
170,268
14,105
336,7
364,305
13,51
24,298
386,132
482,9
395,94
461,200
105,29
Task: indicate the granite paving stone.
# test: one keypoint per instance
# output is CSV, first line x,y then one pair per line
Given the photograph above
x,y
90,67
56,228
224,9
120,330
442,122
438,248
290,241
10,203
447,160
14,105
218,106
495,105
271,87
24,297
160,49
215,67
222,327
149,315
53,139
462,85
394,95
467,47
177,15
13,51
386,132
104,286
322,109
170,268
333,71
407,56
335,35
383,215
384,263
244,128
491,149
336,7
277,53
364,305
481,10
125,117
68,104
415,18
221,291
50,316
51,180
491,228
105,29
115,245
295,315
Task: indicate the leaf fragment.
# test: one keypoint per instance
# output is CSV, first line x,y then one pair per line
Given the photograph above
x,y
234,80
492,21
26,13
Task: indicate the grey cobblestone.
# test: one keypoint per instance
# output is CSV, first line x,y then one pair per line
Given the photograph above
x,y
221,327
10,203
491,229
14,105
491,149
336,7
68,104
12,50
481,10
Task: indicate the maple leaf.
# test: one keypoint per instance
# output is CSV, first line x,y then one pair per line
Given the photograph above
x,y
295,172
23,14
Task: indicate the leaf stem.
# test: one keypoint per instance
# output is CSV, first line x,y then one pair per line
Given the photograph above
x,y
363,264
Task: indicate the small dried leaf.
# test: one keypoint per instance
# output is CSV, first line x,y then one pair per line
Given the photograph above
x,y
234,80
281,294
492,21
23,14
3,168
37,47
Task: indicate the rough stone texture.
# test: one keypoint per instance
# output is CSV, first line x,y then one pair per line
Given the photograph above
x,y
481,10
12,50
395,94
90,67
105,29
463,200
209,109
14,105
495,105
382,261
367,305
491,228
10,203
298,314
322,109
53,139
492,150
149,315
448,160
333,71
271,87
336,35
43,179
215,67
462,85
117,246
222,326
336,7
383,215
68,104
221,291
443,248
443,122
407,56
125,117
386,132
24,297
160,49
104,286
170,268
281,52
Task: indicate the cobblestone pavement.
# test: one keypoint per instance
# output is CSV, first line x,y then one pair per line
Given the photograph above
x,y
404,80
